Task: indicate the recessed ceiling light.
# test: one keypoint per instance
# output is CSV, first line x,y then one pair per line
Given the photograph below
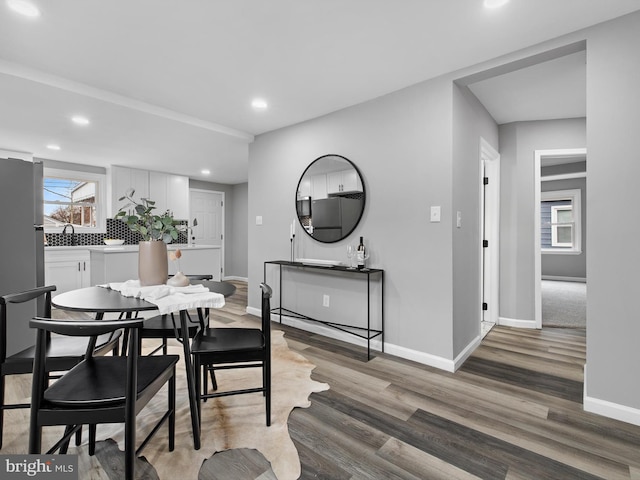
x,y
495,3
78,120
205,172
23,7
259,104
53,147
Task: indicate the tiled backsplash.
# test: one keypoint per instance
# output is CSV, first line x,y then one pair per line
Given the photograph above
x,y
115,229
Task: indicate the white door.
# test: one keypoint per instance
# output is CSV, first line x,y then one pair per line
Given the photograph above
x,y
490,222
207,208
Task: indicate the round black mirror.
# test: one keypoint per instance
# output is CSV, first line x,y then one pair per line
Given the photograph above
x,y
330,198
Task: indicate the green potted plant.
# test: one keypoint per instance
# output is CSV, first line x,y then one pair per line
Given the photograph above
x,y
156,231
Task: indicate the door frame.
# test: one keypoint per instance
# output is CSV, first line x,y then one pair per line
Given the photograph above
x,y
222,229
537,249
490,229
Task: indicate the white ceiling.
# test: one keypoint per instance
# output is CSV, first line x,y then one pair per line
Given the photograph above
x,y
168,84
550,90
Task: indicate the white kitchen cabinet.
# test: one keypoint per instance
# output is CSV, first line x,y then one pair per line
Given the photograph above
x,y
304,189
197,260
122,179
170,192
67,269
347,181
119,264
319,187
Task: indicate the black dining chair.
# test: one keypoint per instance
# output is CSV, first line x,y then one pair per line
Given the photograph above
x,y
63,352
229,348
108,389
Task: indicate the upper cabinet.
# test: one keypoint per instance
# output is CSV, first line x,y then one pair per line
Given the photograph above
x,y
319,187
304,189
170,192
346,181
122,179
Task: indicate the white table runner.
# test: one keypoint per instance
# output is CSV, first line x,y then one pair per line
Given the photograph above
x,y
170,299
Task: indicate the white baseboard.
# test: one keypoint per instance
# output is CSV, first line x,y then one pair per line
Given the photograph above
x,y
239,279
468,350
564,279
515,322
376,344
609,409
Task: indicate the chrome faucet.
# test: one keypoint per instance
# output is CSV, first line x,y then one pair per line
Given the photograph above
x,y
73,233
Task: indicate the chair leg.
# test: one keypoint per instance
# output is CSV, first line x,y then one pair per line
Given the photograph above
x,y
165,348
125,343
35,438
78,437
212,373
64,448
172,409
199,370
1,409
267,385
205,382
92,439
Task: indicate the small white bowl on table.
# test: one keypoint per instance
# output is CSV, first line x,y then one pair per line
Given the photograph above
x,y
113,242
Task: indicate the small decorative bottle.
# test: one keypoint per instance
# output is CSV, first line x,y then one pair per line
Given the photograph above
x,y
361,254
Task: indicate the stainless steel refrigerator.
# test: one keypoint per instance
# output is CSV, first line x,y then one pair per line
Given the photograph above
x,y
21,243
334,217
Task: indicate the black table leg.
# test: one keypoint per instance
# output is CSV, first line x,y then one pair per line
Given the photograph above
x,y
188,365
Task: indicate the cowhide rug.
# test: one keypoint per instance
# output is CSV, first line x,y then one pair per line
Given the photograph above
x,y
233,422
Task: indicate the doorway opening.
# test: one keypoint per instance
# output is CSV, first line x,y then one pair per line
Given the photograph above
x,y
207,208
560,253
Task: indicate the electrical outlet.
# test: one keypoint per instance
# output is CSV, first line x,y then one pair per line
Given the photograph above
x,y
325,300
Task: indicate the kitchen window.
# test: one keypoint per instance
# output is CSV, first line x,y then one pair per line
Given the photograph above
x,y
561,229
76,198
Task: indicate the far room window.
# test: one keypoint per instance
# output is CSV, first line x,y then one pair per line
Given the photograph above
x,y
75,198
560,222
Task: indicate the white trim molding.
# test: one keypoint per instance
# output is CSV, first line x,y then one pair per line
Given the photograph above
x,y
397,350
515,322
237,279
564,279
609,409
466,352
563,176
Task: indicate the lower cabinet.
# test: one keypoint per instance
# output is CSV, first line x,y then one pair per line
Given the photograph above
x,y
67,269
114,265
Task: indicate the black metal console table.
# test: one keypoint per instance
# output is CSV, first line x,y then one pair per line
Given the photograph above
x,y
368,333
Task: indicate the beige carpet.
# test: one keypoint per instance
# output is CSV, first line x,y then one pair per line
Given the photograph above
x,y
232,422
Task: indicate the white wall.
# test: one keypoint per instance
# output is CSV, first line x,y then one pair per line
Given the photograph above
x,y
237,237
518,143
471,121
613,109
402,145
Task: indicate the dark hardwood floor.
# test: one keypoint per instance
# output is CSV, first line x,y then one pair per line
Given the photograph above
x,y
513,411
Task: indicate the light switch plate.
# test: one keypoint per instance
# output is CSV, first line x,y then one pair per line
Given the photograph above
x,y
459,219
259,220
435,214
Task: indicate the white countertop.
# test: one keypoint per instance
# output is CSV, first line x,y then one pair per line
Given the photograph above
x,y
128,248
